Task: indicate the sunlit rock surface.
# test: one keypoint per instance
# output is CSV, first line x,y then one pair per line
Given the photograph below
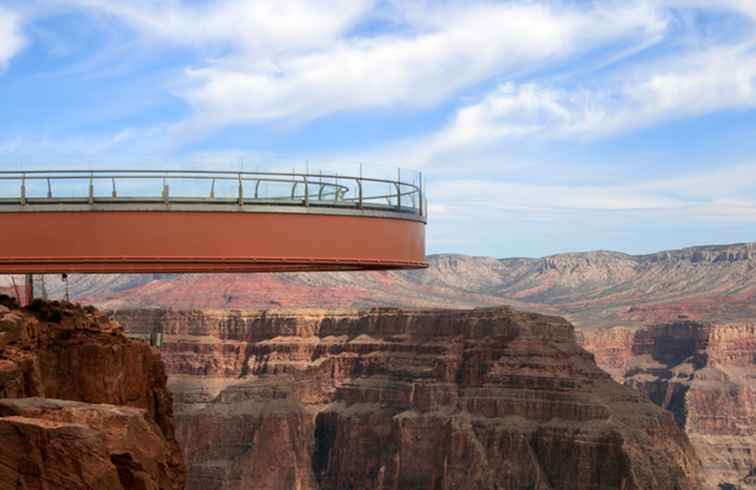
x,y
81,405
426,399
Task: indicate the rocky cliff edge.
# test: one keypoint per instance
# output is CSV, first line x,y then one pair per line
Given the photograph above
x,y
81,405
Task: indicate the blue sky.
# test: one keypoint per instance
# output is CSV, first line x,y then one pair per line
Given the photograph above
x,y
541,127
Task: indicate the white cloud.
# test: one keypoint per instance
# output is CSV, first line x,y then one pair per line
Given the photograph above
x,y
253,26
717,79
11,38
298,60
442,54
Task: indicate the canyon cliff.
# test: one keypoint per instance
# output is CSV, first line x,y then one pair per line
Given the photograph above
x,y
388,399
81,405
705,374
594,290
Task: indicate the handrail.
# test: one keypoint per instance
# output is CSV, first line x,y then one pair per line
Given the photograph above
x,y
330,189
185,173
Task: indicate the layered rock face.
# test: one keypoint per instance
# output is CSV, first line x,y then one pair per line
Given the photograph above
x,y
425,399
81,405
705,374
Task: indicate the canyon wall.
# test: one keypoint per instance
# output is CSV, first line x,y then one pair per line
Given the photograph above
x,y
82,405
705,374
422,399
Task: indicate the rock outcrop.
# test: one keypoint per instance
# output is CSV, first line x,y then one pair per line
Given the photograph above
x,y
81,405
425,399
705,374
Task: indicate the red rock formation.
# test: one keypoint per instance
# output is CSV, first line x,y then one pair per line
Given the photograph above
x,y
50,443
703,373
50,353
476,399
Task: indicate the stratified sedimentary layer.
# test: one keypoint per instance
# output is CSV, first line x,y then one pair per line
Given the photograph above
x,y
705,374
82,405
386,399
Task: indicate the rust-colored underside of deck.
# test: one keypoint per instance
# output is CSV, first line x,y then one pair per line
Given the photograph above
x,y
186,241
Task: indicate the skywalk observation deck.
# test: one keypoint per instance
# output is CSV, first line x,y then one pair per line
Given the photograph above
x,y
204,221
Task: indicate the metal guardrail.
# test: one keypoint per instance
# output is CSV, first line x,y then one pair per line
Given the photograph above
x,y
41,187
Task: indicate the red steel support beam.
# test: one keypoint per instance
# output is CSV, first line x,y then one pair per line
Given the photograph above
x,y
29,288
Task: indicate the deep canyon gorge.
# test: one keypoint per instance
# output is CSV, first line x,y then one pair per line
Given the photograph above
x,y
309,381
705,374
387,399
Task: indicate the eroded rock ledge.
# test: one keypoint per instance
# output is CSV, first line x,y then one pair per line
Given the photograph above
x,y
81,405
705,374
387,399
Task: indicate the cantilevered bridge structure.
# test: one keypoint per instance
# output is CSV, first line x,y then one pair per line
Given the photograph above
x,y
112,221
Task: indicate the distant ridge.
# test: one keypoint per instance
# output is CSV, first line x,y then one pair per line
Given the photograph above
x,y
598,288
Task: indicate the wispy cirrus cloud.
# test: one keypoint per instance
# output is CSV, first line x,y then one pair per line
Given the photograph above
x,y
681,86
11,37
250,26
718,78
297,60
454,48
300,60
294,60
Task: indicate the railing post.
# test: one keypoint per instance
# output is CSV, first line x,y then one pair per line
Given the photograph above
x,y
23,189
166,192
115,194
359,189
49,189
212,189
293,190
257,188
307,192
399,188
420,192
91,188
241,191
